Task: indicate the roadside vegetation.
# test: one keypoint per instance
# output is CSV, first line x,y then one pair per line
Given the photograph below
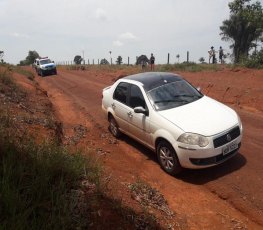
x,y
39,182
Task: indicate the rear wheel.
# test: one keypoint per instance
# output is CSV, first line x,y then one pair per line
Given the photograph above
x,y
114,128
167,158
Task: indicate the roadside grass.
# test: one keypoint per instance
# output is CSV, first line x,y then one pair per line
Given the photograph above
x,y
189,67
24,72
8,87
38,183
6,79
132,69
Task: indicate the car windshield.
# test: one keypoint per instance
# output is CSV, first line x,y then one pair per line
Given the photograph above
x,y
173,95
45,61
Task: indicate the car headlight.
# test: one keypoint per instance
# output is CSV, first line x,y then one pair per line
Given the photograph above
x,y
193,139
240,123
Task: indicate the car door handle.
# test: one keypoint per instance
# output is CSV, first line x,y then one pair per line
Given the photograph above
x,y
113,105
130,114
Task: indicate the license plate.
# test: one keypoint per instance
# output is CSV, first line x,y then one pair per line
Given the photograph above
x,y
229,148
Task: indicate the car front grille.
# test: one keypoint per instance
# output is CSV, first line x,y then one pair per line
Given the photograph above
x,y
227,137
214,160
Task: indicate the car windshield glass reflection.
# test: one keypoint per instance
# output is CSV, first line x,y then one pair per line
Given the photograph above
x,y
46,61
173,95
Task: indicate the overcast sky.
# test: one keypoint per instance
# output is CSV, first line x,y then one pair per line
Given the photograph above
x,y
62,29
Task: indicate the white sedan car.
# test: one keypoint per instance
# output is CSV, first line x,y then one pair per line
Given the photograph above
x,y
166,113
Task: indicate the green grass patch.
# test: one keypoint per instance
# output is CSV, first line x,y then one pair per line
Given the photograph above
x,y
187,67
37,183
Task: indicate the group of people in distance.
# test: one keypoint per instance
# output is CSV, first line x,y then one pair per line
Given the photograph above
x,y
211,52
212,55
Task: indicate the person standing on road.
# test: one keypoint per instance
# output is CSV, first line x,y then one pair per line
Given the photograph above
x,y
221,55
152,60
212,54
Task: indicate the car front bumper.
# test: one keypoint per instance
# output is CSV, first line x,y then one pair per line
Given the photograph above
x,y
49,71
206,157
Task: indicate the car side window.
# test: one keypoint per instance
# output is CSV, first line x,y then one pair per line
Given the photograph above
x,y
136,97
121,92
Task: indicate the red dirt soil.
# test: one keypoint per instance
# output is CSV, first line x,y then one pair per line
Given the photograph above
x,y
228,196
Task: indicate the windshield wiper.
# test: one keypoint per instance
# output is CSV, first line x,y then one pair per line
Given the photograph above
x,y
186,95
164,101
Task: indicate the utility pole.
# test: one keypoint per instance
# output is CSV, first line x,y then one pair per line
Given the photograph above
x,y
83,57
110,58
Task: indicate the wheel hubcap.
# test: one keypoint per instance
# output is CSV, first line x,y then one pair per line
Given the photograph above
x,y
166,158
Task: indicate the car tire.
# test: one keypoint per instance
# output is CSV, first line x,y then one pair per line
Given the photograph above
x,y
167,158
114,128
42,73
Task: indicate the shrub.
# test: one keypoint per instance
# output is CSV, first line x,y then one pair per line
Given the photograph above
x,y
37,182
255,60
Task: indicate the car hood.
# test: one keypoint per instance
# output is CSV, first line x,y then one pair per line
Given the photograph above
x,y
204,116
48,65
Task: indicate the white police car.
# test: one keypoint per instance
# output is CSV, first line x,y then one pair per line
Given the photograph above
x,y
44,66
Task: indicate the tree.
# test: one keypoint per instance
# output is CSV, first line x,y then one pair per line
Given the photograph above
x,y
32,55
1,56
119,60
243,28
104,61
78,59
178,56
142,59
201,59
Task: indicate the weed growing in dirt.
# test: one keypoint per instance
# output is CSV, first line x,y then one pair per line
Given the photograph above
x,y
143,220
8,87
39,183
149,197
24,72
189,67
6,79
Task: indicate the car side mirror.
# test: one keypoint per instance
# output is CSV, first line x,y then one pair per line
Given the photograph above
x,y
140,109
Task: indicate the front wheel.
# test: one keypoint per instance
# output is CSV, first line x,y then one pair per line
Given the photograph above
x,y
114,128
42,73
167,158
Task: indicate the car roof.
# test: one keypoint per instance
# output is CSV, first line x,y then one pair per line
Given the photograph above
x,y
151,80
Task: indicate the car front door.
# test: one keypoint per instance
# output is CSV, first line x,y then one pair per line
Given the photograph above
x,y
138,122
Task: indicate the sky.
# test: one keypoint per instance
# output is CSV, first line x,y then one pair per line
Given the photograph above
x,y
62,29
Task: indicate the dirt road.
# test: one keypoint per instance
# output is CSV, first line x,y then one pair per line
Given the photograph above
x,y
229,196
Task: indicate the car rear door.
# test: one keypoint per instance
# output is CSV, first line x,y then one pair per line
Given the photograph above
x,y
120,107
